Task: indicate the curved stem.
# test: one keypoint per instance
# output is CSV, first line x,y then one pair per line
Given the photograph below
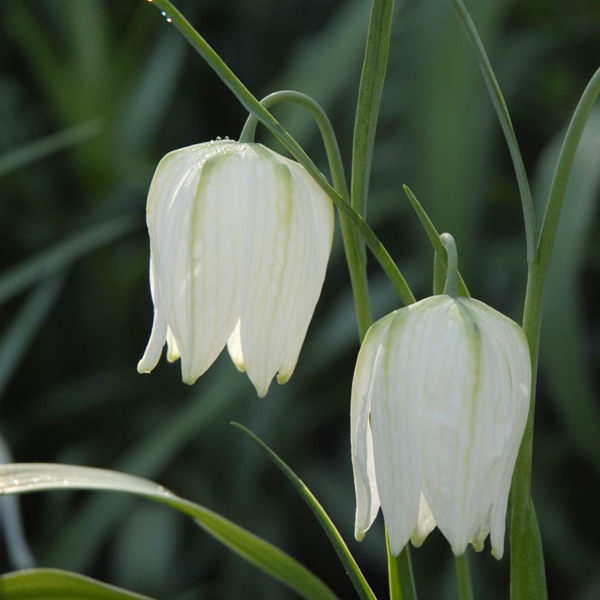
x,y
463,576
252,105
451,286
358,275
527,560
440,260
505,122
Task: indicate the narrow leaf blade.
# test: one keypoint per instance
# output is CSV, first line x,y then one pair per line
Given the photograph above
x,y
32,477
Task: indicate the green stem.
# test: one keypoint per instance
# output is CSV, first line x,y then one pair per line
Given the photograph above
x,y
440,260
463,577
252,105
505,122
369,100
451,286
358,275
527,559
401,579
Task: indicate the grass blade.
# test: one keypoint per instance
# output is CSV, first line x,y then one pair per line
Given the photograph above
x,y
358,580
32,477
48,584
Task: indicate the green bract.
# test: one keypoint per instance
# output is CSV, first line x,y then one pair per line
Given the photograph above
x,y
239,242
439,403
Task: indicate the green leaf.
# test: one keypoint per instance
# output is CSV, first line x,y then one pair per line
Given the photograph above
x,y
358,580
369,99
563,353
50,584
23,478
50,261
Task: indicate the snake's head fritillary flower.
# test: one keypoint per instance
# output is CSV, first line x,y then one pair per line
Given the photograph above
x,y
440,399
239,242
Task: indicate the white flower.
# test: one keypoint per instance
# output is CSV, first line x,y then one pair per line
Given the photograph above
x,y
440,399
239,242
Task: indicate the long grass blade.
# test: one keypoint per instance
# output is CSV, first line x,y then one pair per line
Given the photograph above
x,y
32,477
47,584
356,576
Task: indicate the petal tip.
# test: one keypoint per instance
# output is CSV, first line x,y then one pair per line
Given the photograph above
x,y
283,378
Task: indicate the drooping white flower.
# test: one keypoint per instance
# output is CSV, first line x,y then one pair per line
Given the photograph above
x,y
440,399
239,242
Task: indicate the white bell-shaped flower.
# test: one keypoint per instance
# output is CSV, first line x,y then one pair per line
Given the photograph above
x,y
440,399
239,242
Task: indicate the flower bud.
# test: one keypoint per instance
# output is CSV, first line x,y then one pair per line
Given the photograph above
x,y
440,399
239,242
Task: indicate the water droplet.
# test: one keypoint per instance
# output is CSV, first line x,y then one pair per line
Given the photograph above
x,y
169,20
163,13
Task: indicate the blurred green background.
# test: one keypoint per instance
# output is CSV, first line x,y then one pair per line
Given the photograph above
x,y
93,93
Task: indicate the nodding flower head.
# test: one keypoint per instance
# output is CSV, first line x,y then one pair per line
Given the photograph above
x,y
440,399
239,242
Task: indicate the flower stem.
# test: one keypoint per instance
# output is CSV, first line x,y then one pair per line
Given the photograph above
x,y
527,560
358,275
463,576
402,583
451,286
252,105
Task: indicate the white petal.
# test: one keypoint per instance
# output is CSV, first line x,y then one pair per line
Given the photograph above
x,y
443,379
159,329
397,396
173,353
290,233
200,229
476,413
478,540
234,346
425,523
509,348
363,466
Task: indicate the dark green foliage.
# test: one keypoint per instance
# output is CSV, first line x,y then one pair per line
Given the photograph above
x,y
73,394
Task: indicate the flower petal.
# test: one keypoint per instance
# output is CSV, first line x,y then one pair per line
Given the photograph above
x,y
234,347
397,395
425,523
173,353
361,438
443,381
159,329
289,240
201,230
507,410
